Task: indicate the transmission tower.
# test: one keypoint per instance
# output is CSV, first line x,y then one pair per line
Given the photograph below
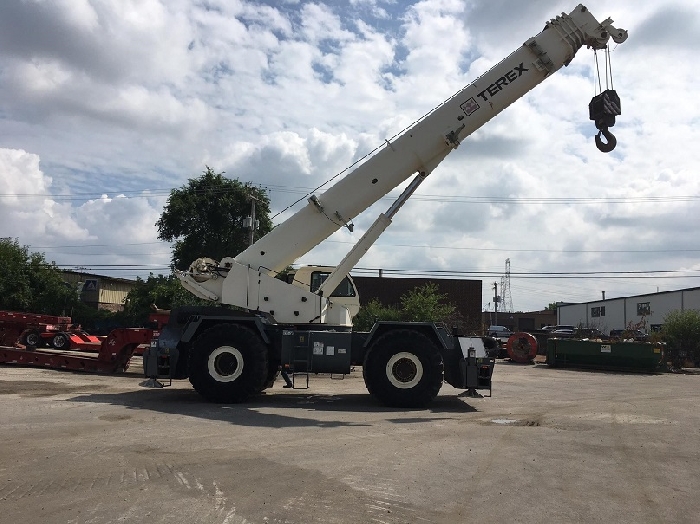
x,y
507,300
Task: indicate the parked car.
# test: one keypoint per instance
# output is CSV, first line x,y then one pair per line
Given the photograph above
x,y
500,335
560,330
562,326
562,333
591,333
574,332
626,334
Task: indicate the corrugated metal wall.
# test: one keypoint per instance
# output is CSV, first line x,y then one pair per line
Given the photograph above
x,y
99,291
651,308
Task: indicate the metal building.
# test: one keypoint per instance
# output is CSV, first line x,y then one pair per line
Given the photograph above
x,y
99,291
646,312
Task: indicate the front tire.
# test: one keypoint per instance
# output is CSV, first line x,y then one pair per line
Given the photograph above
x,y
228,363
403,368
31,338
272,373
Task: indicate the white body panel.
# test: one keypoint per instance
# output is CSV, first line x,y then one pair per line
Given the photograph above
x,y
473,342
258,291
302,278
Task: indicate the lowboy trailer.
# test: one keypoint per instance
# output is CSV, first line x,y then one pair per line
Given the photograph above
x,y
113,356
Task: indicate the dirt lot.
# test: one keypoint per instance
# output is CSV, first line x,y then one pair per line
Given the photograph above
x,y
552,445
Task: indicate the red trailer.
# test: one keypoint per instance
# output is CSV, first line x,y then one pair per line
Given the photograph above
x,y
27,328
73,339
114,354
36,330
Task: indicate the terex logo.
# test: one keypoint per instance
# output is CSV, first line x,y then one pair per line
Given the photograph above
x,y
506,79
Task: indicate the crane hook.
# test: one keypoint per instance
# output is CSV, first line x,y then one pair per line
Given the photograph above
x,y
611,141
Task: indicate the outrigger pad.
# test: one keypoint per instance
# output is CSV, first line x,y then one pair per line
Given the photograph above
x,y
151,383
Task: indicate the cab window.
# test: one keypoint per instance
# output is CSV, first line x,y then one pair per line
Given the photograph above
x,y
344,289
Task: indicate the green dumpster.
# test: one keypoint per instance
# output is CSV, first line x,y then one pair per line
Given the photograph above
x,y
620,356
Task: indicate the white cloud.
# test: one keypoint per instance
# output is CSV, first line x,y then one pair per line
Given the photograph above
x,y
38,217
27,210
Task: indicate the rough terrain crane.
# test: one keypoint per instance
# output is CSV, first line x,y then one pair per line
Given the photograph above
x,y
305,324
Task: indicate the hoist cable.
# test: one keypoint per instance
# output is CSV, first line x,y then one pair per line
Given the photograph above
x,y
597,71
608,67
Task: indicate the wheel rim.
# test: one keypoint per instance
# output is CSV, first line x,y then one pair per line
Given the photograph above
x,y
32,339
404,370
225,364
59,341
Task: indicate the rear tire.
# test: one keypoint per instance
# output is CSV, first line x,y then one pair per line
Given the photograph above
x,y
228,363
403,368
60,341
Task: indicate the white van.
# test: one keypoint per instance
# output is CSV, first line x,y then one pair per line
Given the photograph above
x,y
499,332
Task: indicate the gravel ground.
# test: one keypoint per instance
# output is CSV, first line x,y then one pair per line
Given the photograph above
x,y
551,445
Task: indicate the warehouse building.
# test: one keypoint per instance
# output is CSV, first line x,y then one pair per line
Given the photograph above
x,y
646,312
98,291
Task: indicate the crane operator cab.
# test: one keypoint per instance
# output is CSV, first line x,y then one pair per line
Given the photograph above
x,y
310,278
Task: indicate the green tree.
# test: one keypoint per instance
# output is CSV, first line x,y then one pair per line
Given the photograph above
x,y
205,218
98,321
421,304
372,312
425,304
552,306
15,293
164,292
681,331
29,283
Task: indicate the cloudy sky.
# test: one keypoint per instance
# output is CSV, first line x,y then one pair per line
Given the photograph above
x,y
106,105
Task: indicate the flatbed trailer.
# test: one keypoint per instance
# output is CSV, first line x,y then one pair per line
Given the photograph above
x,y
39,330
114,354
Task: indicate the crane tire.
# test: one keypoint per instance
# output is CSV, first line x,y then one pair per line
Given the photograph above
x,y
272,373
403,368
228,364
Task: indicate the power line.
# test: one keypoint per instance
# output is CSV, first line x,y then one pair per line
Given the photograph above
x,y
99,245
660,273
530,250
425,246
495,199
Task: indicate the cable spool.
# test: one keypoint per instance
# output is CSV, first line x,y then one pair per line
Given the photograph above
x,y
522,347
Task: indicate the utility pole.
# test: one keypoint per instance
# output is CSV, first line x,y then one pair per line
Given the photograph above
x,y
252,219
496,300
250,222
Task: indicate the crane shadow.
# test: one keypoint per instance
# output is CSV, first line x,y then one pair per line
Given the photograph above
x,y
271,410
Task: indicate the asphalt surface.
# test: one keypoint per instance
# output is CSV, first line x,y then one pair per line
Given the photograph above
x,y
551,445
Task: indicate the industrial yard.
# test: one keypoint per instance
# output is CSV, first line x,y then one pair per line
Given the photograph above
x,y
551,445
